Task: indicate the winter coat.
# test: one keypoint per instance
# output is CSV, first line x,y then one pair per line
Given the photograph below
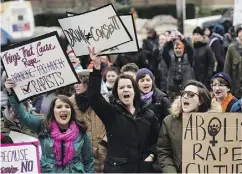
x,y
82,162
179,71
216,44
203,63
139,58
96,132
233,67
169,145
150,44
160,104
131,138
162,71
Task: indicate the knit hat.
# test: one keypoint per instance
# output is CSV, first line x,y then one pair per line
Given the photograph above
x,y
224,76
219,29
238,29
143,71
198,30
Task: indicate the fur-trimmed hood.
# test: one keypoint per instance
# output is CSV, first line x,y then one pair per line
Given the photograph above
x,y
176,108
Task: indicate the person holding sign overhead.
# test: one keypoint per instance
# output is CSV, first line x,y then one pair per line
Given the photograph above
x,y
65,145
194,98
129,124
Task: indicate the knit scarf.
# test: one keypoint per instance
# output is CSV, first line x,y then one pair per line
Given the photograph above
x,y
226,101
82,101
146,97
68,137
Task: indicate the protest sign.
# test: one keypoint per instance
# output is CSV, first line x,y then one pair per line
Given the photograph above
x,y
237,17
128,47
101,28
23,138
212,143
38,66
20,158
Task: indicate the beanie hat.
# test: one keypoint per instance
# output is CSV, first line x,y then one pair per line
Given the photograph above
x,y
143,71
238,29
198,30
219,29
224,76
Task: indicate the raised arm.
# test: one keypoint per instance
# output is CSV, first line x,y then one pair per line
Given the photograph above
x,y
20,112
102,108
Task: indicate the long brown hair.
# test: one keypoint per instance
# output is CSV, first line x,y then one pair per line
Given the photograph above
x,y
51,116
204,95
137,101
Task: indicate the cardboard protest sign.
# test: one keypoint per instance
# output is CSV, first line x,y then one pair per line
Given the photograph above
x,y
101,28
38,66
128,47
20,158
237,17
212,143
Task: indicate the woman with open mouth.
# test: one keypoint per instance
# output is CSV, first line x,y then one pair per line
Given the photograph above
x,y
65,145
157,100
221,85
194,98
129,124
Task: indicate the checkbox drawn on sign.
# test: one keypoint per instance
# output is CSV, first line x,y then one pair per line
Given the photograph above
x,y
26,88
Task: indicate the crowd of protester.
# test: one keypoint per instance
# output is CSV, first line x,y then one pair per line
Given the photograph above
x,y
122,115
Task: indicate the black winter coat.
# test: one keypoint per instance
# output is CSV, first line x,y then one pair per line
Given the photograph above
x,y
130,137
216,44
203,63
141,59
160,105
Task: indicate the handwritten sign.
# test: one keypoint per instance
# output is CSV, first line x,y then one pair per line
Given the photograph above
x,y
100,28
128,47
212,143
20,158
37,66
237,18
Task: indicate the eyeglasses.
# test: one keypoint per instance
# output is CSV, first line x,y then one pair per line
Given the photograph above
x,y
219,85
190,94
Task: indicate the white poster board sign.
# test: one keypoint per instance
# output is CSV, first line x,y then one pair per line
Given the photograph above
x,y
23,138
38,66
128,47
237,12
20,158
101,28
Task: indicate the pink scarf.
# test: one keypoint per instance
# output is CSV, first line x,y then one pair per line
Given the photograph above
x,y
68,137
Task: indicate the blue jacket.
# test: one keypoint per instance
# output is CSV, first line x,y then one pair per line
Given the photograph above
x,y
82,162
236,106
